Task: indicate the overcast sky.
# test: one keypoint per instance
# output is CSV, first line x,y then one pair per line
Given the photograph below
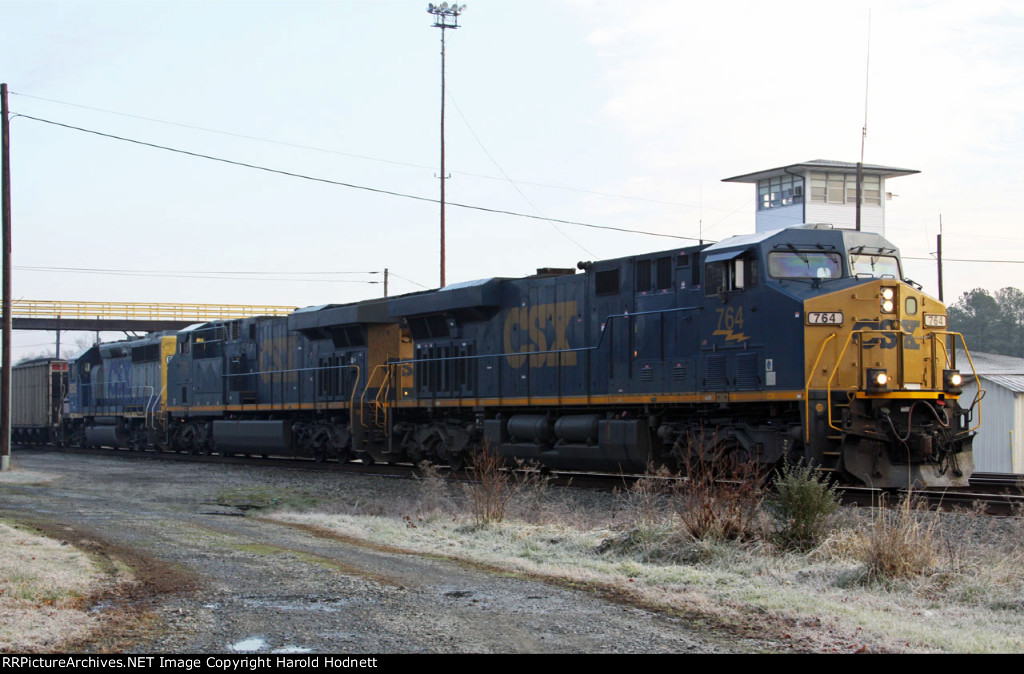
x,y
615,114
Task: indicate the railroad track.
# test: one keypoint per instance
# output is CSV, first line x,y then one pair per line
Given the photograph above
x,y
992,493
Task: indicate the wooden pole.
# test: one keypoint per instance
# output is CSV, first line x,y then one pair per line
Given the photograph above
x,y
938,256
5,362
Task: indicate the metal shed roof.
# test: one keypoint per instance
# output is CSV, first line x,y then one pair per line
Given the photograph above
x,y
1011,382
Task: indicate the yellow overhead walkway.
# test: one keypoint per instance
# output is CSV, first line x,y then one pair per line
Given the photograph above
x,y
142,310
61,315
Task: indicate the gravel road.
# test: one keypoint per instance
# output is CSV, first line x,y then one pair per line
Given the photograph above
x,y
212,580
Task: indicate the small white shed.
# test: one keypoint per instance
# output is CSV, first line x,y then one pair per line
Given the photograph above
x,y
999,445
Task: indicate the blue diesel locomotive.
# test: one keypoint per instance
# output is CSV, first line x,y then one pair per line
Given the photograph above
x,y
805,343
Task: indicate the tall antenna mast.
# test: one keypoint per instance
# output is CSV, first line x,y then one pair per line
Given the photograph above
x,y
864,131
445,16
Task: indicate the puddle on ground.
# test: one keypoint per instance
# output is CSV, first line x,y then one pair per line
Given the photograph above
x,y
254,644
249,645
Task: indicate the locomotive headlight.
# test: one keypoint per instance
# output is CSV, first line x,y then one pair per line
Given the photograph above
x,y
888,300
952,381
878,379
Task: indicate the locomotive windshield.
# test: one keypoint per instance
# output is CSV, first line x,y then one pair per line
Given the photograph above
x,y
878,266
800,264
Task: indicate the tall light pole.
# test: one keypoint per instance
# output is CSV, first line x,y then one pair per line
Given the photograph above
x,y
445,16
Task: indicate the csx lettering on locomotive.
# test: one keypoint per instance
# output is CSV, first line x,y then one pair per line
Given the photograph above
x,y
540,330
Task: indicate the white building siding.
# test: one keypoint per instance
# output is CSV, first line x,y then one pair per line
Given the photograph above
x,y
770,219
999,444
872,218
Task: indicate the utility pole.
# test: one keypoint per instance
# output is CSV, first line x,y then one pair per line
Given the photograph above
x,y
938,255
385,281
5,360
445,16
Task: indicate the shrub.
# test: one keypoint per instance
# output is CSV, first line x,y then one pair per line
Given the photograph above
x,y
491,488
721,499
802,504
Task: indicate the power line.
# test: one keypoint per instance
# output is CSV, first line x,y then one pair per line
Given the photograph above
x,y
375,190
218,276
954,259
510,181
409,280
196,271
231,133
394,162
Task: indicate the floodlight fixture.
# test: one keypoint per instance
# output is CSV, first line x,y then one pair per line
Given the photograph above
x,y
445,15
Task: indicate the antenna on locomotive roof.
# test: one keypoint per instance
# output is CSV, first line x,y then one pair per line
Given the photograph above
x,y
864,131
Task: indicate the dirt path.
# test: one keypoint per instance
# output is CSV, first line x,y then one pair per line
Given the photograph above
x,y
211,580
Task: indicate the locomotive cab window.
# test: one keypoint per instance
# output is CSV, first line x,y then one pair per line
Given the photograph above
x,y
729,272
878,266
804,264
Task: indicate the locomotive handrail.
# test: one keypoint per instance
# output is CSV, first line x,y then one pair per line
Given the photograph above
x,y
974,371
899,355
352,400
142,310
528,354
807,388
366,387
385,386
151,412
860,363
146,408
271,373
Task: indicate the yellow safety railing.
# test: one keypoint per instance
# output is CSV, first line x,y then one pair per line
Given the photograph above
x,y
860,359
899,373
142,310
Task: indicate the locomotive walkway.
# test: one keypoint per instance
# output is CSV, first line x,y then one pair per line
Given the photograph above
x,y
136,316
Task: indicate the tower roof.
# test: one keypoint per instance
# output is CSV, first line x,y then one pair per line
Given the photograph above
x,y
822,165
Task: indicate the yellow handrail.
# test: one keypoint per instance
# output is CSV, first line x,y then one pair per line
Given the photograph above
x,y
860,362
142,310
849,337
807,388
974,371
366,387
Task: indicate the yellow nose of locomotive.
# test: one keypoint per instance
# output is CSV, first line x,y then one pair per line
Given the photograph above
x,y
880,338
881,371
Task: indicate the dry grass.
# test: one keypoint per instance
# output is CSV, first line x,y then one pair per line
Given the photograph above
x,y
490,489
496,490
902,542
435,497
721,500
44,586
